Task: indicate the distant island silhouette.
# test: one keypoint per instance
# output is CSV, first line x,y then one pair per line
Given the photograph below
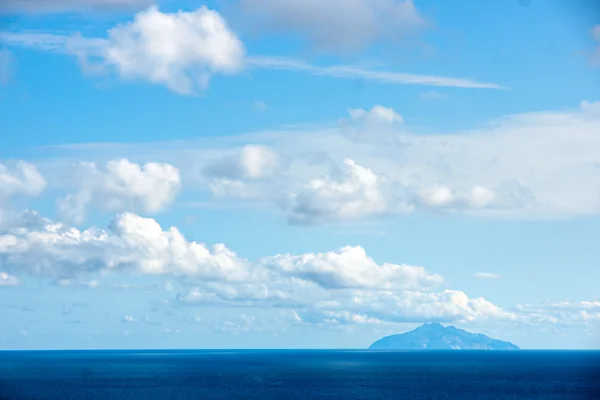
x,y
434,336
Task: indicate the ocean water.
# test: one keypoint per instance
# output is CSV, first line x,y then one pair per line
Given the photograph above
x,y
306,375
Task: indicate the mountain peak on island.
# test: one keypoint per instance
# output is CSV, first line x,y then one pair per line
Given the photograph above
x,y
434,336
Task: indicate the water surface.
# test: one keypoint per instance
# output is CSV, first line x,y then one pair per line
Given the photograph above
x,y
306,375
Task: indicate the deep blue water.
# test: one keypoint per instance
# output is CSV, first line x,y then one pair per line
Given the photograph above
x,y
306,375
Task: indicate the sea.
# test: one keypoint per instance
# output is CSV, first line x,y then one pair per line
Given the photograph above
x,y
304,375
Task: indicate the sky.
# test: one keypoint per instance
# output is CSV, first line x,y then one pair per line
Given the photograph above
x,y
298,173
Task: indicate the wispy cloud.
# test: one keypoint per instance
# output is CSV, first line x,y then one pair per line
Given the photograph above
x,y
595,57
487,275
6,66
86,48
62,6
351,72
432,95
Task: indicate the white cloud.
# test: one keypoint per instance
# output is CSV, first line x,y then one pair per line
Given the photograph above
x,y
332,288
245,173
561,313
352,72
77,283
377,114
350,267
356,192
121,186
58,6
22,179
168,61
251,162
128,319
8,280
532,165
442,196
335,24
405,306
487,275
41,247
181,50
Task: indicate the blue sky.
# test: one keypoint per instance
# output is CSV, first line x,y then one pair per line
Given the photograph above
x,y
297,174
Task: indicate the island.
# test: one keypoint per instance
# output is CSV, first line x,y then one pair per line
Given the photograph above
x,y
434,336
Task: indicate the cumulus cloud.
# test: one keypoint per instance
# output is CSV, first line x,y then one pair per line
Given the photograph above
x,y
128,319
181,50
251,162
59,6
357,192
350,267
42,247
327,289
121,185
404,306
22,179
532,165
247,173
354,193
336,24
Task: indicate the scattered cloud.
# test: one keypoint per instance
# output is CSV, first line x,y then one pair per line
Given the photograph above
x,y
561,313
121,185
377,114
335,25
327,289
8,280
487,275
62,6
499,170
128,319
